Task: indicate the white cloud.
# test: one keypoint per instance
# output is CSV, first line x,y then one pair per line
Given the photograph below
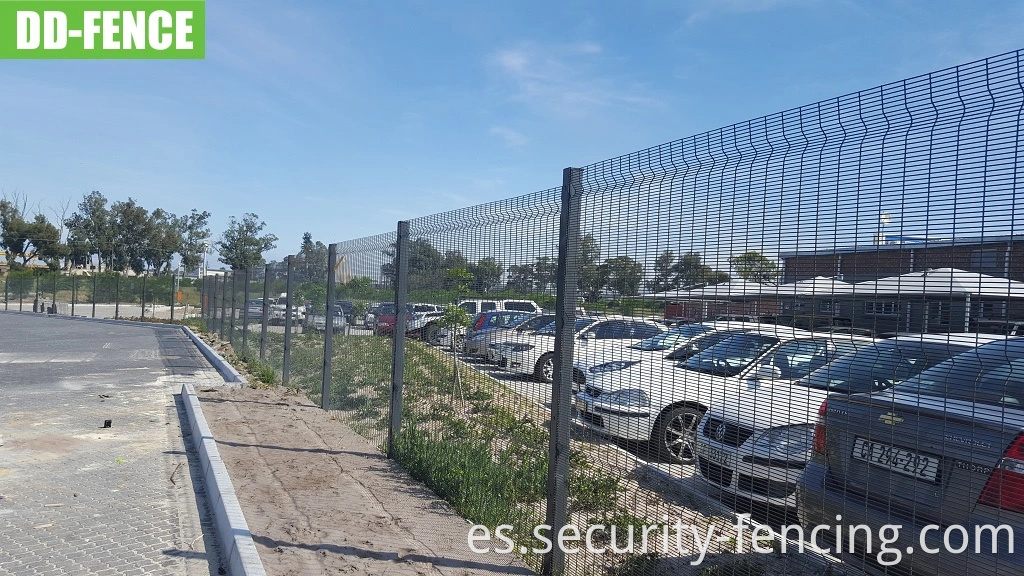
x,y
566,79
511,137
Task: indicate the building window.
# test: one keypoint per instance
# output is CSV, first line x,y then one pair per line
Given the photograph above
x,y
881,308
986,259
992,310
828,307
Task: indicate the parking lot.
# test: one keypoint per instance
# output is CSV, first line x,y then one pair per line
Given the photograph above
x,y
95,477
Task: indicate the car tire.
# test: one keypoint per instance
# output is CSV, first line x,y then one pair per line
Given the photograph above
x,y
674,436
545,369
431,334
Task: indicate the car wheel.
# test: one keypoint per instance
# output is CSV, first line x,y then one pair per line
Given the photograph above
x,y
432,333
545,370
675,434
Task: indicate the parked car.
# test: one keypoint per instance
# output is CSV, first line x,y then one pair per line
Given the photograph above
x,y
1003,327
279,308
672,346
384,318
757,443
348,308
474,342
475,306
536,352
943,449
254,309
420,321
319,321
664,404
512,334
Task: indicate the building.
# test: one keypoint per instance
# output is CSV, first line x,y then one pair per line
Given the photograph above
x,y
931,311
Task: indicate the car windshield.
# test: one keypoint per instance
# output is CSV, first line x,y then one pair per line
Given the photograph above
x,y
535,322
520,320
991,374
581,323
672,338
878,367
730,356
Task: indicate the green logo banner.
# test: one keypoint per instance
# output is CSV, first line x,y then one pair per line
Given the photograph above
x,y
102,29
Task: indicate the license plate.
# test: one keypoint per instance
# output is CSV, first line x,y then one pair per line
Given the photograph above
x,y
716,455
905,462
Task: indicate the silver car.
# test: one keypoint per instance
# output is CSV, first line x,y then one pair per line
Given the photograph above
x,y
756,444
940,456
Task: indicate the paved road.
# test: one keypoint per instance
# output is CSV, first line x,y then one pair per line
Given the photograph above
x,y
77,498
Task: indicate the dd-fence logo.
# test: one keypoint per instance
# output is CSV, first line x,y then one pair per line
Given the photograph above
x,y
135,29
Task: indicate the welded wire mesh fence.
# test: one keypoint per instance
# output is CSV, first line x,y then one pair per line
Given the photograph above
x,y
801,319
112,295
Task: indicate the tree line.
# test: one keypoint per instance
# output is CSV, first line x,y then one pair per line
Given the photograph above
x,y
123,236
429,269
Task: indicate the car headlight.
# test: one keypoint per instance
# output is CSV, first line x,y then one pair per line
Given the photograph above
x,y
632,397
613,366
520,347
785,442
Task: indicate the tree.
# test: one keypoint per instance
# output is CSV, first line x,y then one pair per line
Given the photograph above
x,y
14,230
663,280
91,227
544,270
45,240
195,235
520,278
486,274
623,274
755,267
163,240
690,270
313,259
242,246
130,228
592,276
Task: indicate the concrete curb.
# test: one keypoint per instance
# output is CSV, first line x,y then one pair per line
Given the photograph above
x,y
159,325
226,370
237,547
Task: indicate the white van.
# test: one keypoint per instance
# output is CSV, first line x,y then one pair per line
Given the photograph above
x,y
475,306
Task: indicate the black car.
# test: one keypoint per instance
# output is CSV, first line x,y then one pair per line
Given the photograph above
x,y
348,308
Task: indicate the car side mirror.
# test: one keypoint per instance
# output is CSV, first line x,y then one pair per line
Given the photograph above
x,y
766,372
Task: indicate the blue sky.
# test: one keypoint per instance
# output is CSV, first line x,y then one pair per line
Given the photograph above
x,y
342,117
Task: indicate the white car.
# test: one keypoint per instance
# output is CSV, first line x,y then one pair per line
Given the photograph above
x,y
534,353
320,321
649,401
476,306
676,344
757,443
485,342
278,311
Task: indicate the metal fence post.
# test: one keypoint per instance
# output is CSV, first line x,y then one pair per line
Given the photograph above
x,y
74,293
561,393
266,312
7,281
398,349
234,291
223,303
117,295
245,318
287,322
325,386
95,277
55,277
142,316
212,324
174,294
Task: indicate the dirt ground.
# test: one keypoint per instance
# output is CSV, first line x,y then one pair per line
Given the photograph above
x,y
320,499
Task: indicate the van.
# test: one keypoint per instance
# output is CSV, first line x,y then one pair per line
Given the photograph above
x,y
475,306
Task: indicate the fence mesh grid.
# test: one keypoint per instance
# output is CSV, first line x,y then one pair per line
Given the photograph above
x,y
800,317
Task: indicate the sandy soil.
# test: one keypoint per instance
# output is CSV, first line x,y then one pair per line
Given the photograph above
x,y
319,499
